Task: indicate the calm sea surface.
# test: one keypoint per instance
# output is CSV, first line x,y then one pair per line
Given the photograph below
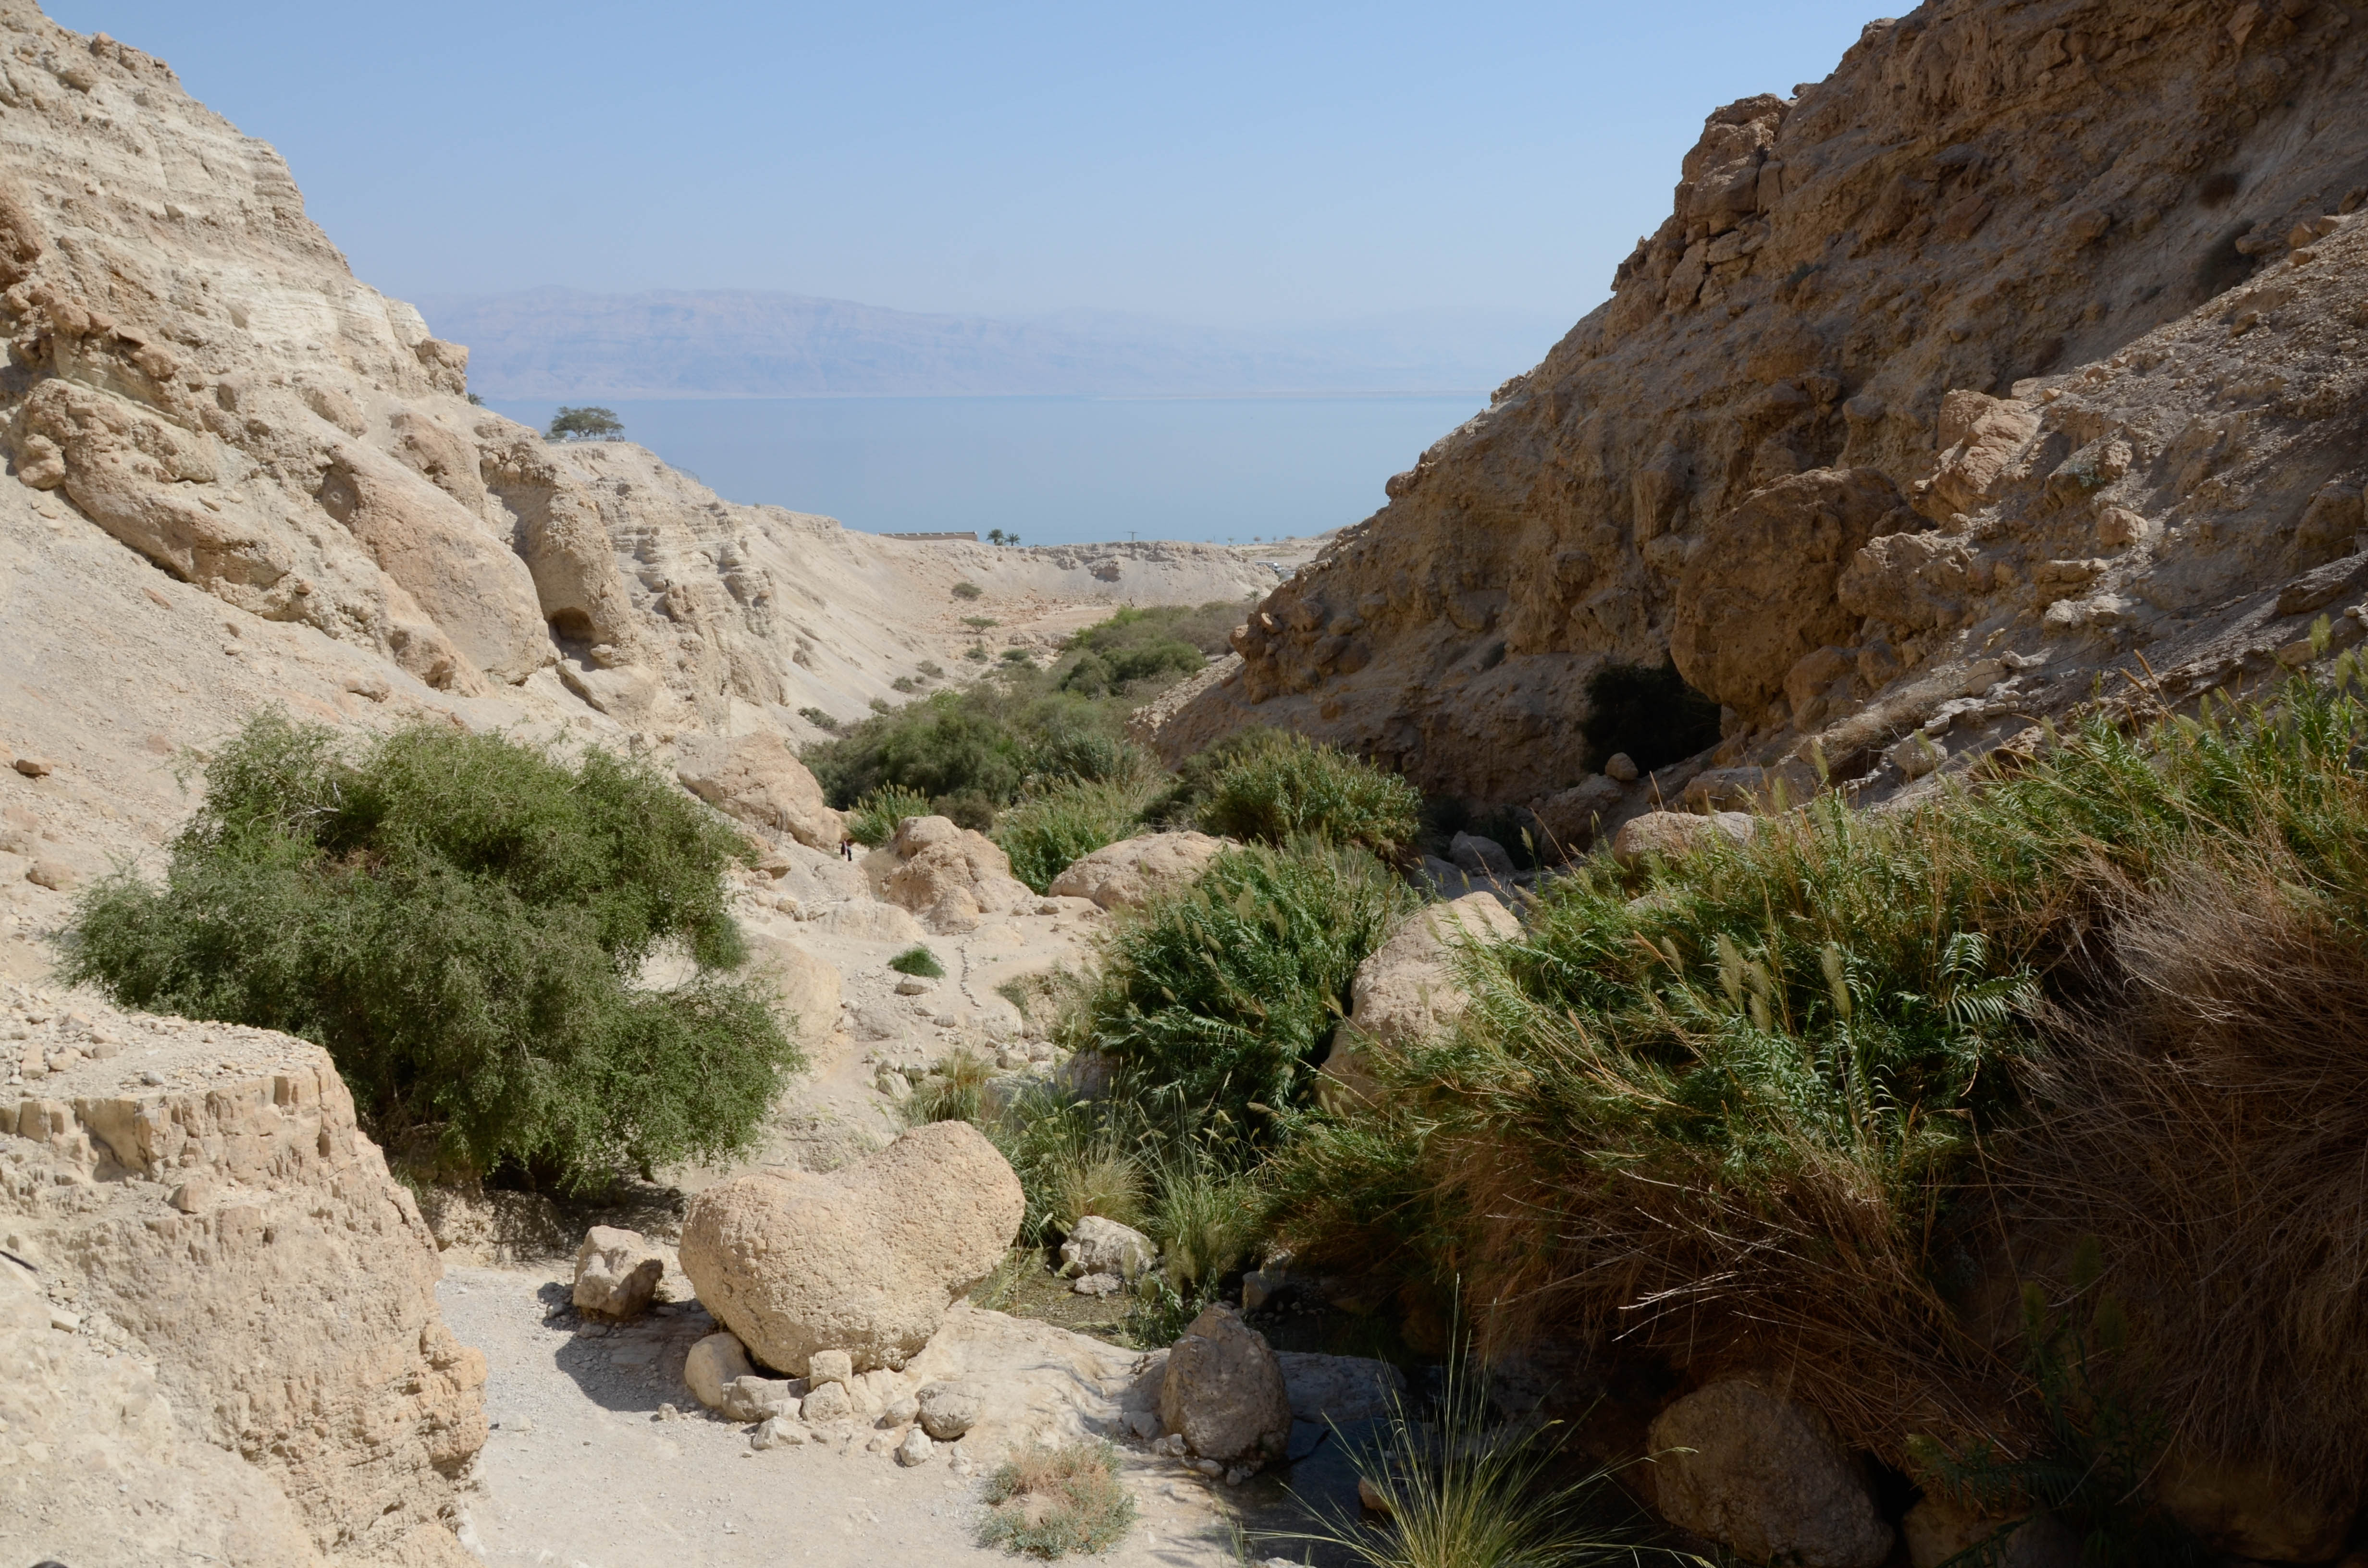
x,y
1054,471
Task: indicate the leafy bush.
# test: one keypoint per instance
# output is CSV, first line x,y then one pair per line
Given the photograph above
x,y
904,683
956,1091
873,820
1225,993
976,652
584,425
967,590
1290,786
918,960
1045,833
1050,1501
461,920
818,719
980,622
1018,656
1651,714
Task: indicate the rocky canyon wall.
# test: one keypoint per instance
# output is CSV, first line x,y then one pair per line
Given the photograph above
x,y
2023,348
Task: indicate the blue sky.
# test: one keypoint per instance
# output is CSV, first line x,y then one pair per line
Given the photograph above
x,y
1222,163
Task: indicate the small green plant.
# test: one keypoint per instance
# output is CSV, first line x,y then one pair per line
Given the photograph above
x,y
1292,788
981,622
873,820
584,425
881,705
904,683
918,960
967,590
2100,1449
1051,1502
976,652
931,670
1206,1217
1018,656
462,920
819,720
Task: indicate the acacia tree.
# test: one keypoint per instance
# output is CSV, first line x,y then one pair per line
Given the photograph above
x,y
586,424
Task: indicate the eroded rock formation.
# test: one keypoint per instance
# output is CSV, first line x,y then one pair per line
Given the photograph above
x,y
2023,344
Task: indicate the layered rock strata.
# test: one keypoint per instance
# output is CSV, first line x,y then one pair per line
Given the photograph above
x,y
199,1207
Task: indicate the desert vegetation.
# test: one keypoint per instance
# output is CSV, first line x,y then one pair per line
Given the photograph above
x,y
462,920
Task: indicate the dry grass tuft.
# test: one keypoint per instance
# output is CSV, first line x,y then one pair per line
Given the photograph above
x,y
1050,1501
2206,1124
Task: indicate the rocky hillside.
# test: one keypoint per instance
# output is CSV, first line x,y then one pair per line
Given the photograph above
x,y
2020,350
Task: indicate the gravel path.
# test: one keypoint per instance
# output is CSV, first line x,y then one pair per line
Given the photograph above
x,y
580,1470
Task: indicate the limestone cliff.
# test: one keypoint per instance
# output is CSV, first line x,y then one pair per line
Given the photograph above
x,y
2024,346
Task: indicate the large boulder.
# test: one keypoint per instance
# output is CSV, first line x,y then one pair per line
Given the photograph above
x,y
862,1260
1223,1390
1128,872
759,781
1406,988
616,1272
1675,835
949,875
1572,817
1766,1477
1758,593
2249,1510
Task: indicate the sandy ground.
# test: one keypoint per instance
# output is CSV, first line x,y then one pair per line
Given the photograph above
x,y
580,1470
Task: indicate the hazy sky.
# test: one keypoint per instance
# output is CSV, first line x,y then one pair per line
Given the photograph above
x,y
1233,163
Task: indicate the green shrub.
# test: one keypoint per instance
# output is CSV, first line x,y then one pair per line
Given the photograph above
x,y
975,652
918,960
967,590
1741,1086
1044,834
904,683
873,820
1650,713
461,920
980,622
1018,656
1292,787
1225,993
818,719
931,669
1051,1502
956,1091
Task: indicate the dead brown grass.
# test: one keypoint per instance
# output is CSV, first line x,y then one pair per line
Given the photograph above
x,y
2207,1123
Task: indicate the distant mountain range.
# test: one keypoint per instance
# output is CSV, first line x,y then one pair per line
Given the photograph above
x,y
560,343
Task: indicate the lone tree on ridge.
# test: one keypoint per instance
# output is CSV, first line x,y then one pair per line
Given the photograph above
x,y
586,424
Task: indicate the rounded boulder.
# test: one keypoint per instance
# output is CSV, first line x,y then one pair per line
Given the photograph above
x,y
863,1259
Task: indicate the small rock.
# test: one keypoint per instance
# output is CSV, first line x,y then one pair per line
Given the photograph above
x,y
152,1077
914,1448
36,766
1622,767
1208,1467
1373,1498
616,1272
949,1410
1143,1423
715,1364
1097,1285
1238,1475
55,875
1479,857
914,985
1096,1246
1920,755
778,1432
894,1084
668,1413
753,1397
828,1403
900,1411
193,1195
64,1321
829,1367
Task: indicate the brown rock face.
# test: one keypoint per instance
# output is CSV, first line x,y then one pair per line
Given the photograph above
x,y
1223,1390
230,1222
1763,1475
864,1259
2034,267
